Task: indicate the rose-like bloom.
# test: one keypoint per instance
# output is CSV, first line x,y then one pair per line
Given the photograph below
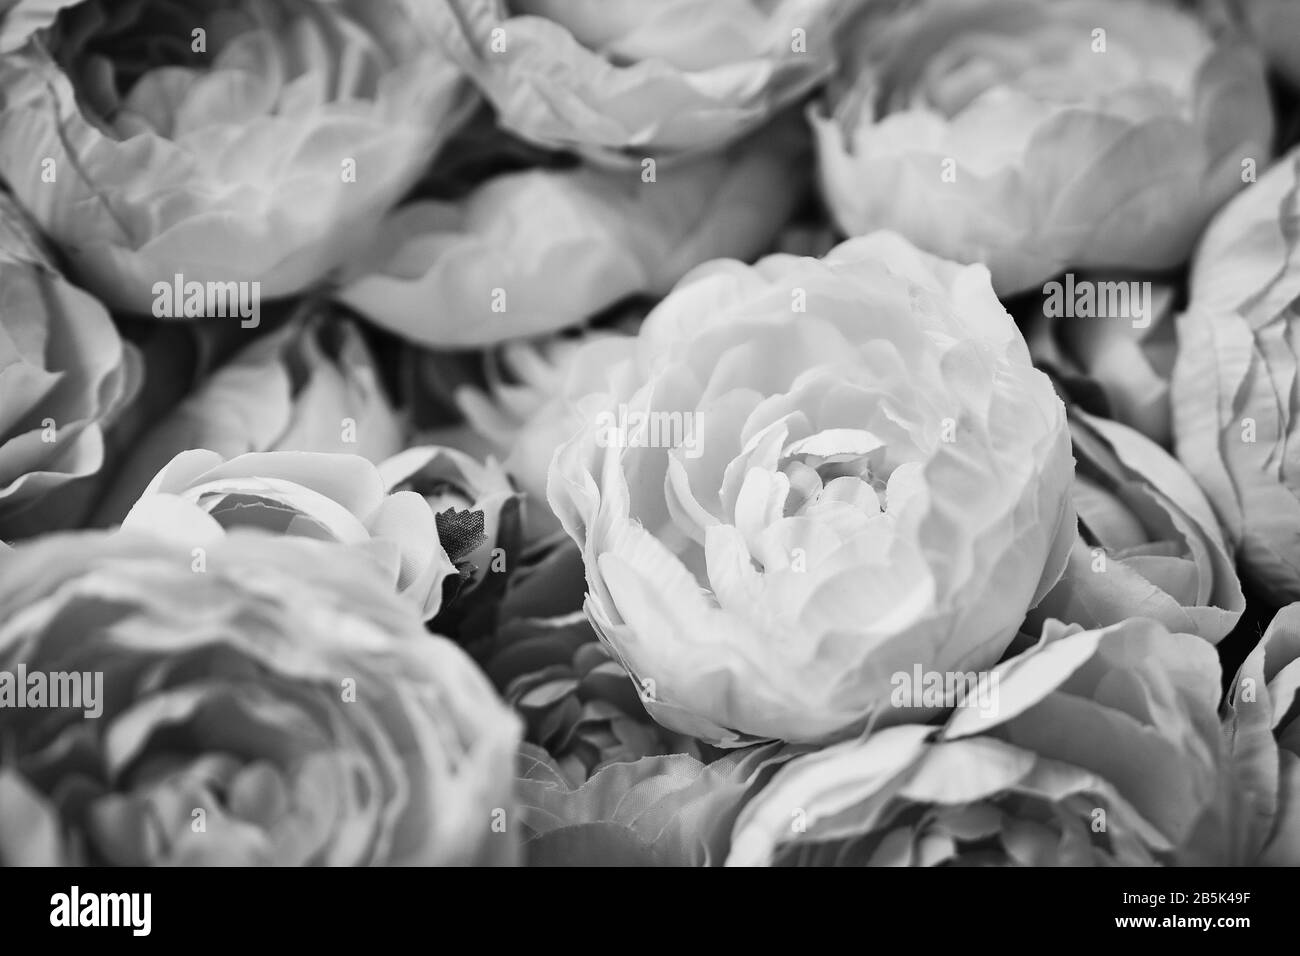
x,y
483,269
1104,748
576,701
1117,365
309,386
280,707
1264,730
476,507
627,78
671,810
199,496
812,474
1032,135
242,141
1233,396
64,375
1149,544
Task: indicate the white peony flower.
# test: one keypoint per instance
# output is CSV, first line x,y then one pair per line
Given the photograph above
x,y
252,141
813,474
1032,135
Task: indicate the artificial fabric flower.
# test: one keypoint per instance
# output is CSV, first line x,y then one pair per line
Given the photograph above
x,y
309,386
199,496
248,141
810,475
629,79
1233,395
65,374
1104,748
1120,365
1149,544
1036,135
1264,730
275,705
483,269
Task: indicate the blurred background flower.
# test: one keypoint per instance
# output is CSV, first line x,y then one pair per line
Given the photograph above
x,y
619,78
1262,720
65,375
1274,25
530,400
1116,368
199,496
311,385
483,269
281,707
245,141
1105,749
810,475
669,810
1036,135
1149,544
1233,392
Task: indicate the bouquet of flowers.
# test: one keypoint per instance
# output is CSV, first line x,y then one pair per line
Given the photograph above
x,y
683,432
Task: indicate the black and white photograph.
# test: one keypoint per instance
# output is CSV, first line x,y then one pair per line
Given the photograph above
x,y
651,433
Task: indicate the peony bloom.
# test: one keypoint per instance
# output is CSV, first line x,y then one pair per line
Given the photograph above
x,y
309,386
199,496
813,474
1119,368
277,705
627,78
671,810
1105,749
1148,543
254,141
476,507
1034,135
1233,398
482,269
1264,730
65,374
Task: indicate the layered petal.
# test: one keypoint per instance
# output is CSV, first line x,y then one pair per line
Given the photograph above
x,y
282,707
242,142
1149,544
619,80
1233,389
1103,748
483,269
199,496
65,376
1037,135
311,386
810,475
